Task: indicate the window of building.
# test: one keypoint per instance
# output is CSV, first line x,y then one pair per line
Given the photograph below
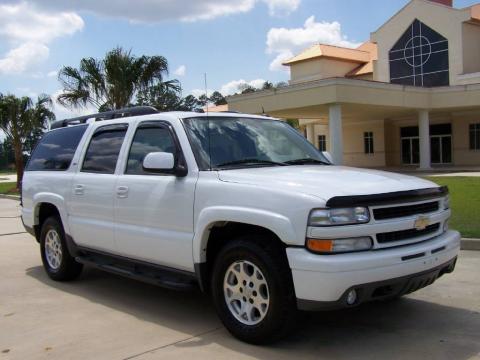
x,y
56,149
368,142
420,58
322,143
104,148
148,138
475,136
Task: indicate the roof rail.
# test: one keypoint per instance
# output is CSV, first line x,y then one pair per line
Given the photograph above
x,y
108,115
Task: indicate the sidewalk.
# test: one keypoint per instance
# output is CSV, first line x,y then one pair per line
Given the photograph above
x,y
8,178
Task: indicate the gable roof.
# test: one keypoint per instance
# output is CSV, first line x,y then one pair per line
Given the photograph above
x,y
332,52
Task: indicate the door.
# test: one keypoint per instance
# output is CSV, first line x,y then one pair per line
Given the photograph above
x,y
410,151
441,143
154,211
91,215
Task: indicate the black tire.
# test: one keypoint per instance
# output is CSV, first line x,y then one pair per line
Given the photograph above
x,y
270,258
68,268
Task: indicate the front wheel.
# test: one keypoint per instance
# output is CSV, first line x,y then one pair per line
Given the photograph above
x,y
57,261
252,290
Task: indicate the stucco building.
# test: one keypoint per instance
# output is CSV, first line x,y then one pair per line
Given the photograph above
x,y
410,96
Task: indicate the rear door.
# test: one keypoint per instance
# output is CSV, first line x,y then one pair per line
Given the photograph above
x,y
91,215
154,211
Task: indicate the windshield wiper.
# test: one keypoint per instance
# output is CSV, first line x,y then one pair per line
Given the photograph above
x,y
251,161
306,161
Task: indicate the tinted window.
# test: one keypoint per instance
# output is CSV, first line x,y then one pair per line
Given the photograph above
x,y
221,142
148,139
420,58
103,150
368,142
55,150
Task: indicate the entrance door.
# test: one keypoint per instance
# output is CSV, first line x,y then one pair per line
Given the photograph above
x,y
410,145
441,143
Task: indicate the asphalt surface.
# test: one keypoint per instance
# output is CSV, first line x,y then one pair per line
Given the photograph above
x,y
101,316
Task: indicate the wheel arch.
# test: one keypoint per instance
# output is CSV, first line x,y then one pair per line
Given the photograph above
x,y
216,226
46,205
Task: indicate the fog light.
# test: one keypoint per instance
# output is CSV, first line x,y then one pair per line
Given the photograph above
x,y
352,297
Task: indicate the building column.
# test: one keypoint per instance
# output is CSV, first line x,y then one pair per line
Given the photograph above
x,y
424,134
311,133
336,134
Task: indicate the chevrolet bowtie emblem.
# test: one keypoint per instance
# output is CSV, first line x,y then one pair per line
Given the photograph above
x,y
421,222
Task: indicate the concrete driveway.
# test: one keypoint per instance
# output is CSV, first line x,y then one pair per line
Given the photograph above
x,y
102,316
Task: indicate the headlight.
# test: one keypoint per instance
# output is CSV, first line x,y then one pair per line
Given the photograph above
x,y
322,246
343,216
446,203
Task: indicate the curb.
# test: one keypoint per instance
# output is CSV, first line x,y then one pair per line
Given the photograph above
x,y
11,197
470,244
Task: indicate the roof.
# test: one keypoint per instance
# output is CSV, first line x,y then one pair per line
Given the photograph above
x,y
216,108
366,68
333,52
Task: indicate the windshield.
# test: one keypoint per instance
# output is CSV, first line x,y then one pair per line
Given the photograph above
x,y
234,142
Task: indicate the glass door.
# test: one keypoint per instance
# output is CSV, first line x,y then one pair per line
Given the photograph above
x,y
410,151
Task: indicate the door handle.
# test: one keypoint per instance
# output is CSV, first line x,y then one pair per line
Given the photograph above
x,y
79,189
122,192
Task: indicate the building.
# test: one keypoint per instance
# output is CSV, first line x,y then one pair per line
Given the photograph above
x,y
410,96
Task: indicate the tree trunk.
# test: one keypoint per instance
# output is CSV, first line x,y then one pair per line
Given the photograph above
x,y
18,162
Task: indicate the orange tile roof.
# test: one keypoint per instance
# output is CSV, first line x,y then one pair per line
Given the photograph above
x,y
367,68
333,52
475,12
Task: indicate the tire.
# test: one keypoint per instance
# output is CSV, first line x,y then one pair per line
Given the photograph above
x,y
266,323
57,261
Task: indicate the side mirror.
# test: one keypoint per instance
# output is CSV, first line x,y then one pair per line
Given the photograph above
x,y
328,156
159,161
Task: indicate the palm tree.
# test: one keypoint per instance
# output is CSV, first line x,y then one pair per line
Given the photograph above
x,y
113,82
21,119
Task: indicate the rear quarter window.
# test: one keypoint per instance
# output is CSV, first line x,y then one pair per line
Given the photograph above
x,y
55,151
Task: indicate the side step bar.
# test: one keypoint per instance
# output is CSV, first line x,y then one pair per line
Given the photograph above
x,y
149,273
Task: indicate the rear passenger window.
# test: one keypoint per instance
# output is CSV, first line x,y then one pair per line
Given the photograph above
x,y
102,153
147,139
54,152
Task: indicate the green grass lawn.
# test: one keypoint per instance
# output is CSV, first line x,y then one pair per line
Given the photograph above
x,y
465,203
8,188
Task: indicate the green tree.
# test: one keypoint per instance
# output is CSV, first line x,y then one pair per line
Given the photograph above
x,y
218,99
267,85
112,82
22,121
160,96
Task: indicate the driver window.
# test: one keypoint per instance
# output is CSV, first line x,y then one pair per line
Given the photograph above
x,y
146,140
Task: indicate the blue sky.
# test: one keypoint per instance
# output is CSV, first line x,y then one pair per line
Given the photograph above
x,y
227,39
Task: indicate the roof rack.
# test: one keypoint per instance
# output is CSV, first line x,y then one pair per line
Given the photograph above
x,y
108,115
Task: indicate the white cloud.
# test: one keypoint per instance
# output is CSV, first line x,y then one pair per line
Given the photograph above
x,y
28,30
284,43
23,57
23,22
235,86
199,92
161,10
181,70
282,7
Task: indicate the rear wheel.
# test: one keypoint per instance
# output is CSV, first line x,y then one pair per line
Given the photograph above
x,y
57,261
252,290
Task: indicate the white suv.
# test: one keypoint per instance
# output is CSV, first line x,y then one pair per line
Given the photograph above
x,y
241,206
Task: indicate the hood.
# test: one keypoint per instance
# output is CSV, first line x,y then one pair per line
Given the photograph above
x,y
325,181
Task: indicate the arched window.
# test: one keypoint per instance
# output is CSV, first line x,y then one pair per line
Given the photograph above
x,y
420,58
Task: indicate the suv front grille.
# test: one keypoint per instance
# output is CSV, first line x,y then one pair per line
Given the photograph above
x,y
388,237
405,210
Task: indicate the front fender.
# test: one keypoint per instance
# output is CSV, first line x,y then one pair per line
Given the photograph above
x,y
278,224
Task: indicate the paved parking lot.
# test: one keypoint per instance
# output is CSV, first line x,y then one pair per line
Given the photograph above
x,y
102,316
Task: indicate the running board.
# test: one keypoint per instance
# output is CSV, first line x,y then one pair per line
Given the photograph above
x,y
137,270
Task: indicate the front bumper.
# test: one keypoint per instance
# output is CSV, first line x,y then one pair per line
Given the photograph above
x,y
322,281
